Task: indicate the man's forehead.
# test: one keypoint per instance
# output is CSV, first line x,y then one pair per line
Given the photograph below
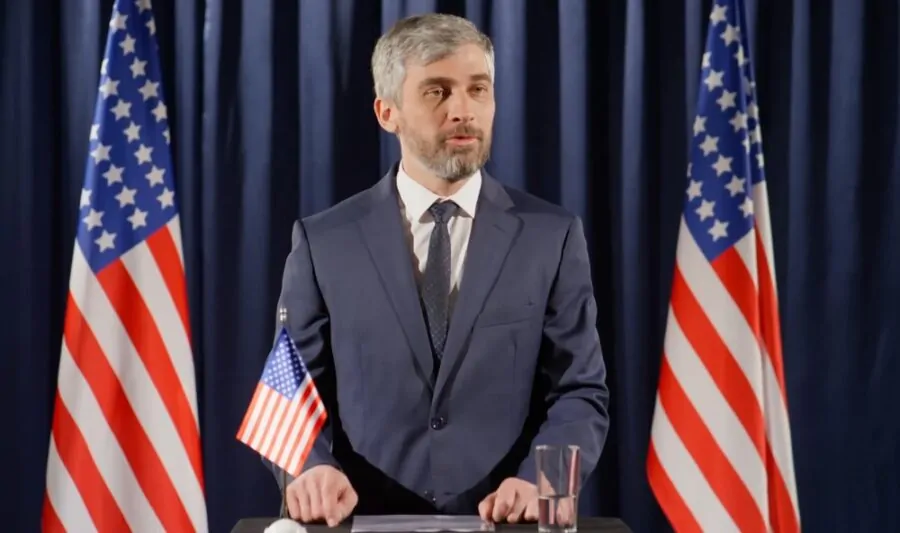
x,y
468,56
448,73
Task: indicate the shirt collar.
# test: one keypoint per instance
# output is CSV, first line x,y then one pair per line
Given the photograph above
x,y
416,199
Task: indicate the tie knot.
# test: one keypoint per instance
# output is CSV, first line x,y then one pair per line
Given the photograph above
x,y
442,211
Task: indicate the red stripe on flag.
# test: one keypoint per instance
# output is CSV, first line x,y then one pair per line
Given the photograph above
x,y
265,398
301,416
268,430
50,522
304,420
670,500
782,515
165,253
275,451
149,471
317,427
277,423
718,360
128,302
738,281
770,317
700,443
756,307
306,443
76,457
253,400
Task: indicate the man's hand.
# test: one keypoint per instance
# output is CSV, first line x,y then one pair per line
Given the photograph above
x,y
514,500
321,493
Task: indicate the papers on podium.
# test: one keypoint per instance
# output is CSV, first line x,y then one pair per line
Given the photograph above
x,y
418,523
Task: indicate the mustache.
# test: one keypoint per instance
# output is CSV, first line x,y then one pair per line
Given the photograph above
x,y
464,131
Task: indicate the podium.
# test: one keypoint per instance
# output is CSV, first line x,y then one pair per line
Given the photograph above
x,y
586,524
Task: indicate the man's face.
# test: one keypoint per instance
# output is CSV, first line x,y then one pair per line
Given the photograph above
x,y
447,114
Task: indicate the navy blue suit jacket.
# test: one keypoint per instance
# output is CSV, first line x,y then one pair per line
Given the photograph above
x,y
522,364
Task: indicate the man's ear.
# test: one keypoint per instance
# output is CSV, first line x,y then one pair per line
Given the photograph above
x,y
386,115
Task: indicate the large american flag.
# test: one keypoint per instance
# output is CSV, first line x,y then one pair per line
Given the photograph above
x,y
124,451
720,455
286,413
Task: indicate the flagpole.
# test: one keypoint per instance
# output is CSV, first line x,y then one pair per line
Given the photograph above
x,y
286,389
285,513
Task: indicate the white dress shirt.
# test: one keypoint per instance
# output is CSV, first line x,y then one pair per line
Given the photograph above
x,y
414,203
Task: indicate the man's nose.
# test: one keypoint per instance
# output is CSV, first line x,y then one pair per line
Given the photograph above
x,y
460,107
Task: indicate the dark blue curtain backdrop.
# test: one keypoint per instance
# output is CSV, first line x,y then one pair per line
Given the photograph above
x,y
270,105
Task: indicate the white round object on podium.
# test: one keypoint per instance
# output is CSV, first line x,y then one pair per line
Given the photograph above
x,y
285,525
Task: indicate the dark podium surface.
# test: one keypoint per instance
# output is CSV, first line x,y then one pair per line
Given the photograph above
x,y
586,524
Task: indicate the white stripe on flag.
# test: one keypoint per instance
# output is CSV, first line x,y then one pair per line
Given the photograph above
x,y
716,414
686,476
64,495
720,309
142,267
288,447
143,396
104,446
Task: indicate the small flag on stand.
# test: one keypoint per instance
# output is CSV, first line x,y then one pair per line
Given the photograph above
x,y
124,450
720,456
285,414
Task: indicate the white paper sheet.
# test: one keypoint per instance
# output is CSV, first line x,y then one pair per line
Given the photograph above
x,y
418,523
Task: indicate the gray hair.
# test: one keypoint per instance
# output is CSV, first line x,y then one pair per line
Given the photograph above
x,y
422,39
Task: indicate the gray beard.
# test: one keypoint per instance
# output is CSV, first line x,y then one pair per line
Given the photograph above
x,y
453,166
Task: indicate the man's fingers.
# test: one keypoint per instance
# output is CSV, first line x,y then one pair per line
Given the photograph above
x,y
293,504
486,507
315,503
565,512
338,501
506,499
517,510
531,510
350,499
303,500
321,494
342,506
329,498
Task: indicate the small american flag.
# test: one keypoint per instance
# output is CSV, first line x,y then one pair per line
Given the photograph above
x,y
286,413
124,450
720,455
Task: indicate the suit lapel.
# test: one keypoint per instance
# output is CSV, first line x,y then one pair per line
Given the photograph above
x,y
382,229
493,233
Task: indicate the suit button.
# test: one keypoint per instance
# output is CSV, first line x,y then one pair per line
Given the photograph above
x,y
438,422
429,495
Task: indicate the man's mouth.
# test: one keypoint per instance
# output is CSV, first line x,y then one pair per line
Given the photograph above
x,y
462,140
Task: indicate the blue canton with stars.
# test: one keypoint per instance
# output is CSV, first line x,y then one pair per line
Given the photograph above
x,y
726,149
284,371
128,191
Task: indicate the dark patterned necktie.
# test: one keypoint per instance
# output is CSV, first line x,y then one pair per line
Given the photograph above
x,y
436,279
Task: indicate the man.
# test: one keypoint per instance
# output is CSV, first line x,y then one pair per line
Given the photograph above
x,y
448,321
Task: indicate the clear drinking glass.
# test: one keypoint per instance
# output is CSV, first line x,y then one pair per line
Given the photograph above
x,y
558,484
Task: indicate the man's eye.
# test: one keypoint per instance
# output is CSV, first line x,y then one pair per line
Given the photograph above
x,y
437,93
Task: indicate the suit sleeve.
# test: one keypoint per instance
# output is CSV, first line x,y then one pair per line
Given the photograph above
x,y
572,365
308,325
